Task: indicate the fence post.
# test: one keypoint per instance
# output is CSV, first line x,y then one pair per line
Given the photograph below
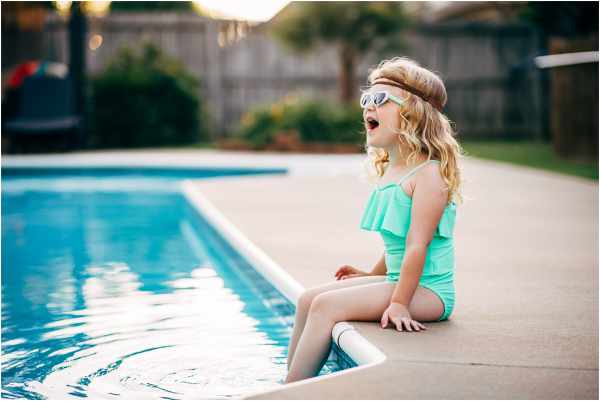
x,y
214,78
77,68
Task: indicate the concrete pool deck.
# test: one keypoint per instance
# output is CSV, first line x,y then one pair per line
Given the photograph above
x,y
525,323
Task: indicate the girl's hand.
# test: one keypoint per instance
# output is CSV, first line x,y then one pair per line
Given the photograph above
x,y
399,314
346,271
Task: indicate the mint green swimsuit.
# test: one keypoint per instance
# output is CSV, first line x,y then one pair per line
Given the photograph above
x,y
388,211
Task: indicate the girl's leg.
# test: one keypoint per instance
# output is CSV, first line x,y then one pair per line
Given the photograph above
x,y
306,299
360,303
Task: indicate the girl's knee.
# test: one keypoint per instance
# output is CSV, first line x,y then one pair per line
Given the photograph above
x,y
306,298
320,303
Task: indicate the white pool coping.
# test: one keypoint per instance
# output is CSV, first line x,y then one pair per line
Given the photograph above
x,y
364,353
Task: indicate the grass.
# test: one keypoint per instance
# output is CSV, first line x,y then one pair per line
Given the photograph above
x,y
532,154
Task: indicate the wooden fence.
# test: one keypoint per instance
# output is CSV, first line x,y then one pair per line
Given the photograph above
x,y
574,102
241,67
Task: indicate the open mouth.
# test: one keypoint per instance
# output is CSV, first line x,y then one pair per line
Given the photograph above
x,y
372,123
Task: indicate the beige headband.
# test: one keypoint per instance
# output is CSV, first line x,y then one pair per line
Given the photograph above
x,y
414,91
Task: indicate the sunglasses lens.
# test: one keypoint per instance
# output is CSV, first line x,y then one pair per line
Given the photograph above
x,y
379,98
364,99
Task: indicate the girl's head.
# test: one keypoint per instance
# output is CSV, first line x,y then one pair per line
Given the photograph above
x,y
410,123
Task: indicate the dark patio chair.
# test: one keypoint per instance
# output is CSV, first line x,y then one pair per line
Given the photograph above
x,y
45,108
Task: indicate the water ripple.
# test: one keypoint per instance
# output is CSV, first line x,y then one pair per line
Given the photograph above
x,y
122,295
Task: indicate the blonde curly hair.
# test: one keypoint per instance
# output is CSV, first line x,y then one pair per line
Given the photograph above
x,y
423,129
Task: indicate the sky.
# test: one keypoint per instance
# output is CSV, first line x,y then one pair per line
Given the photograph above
x,y
261,10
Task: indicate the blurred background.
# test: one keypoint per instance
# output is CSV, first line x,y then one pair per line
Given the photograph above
x,y
522,77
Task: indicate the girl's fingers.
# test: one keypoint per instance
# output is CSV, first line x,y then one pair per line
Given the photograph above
x,y
346,272
384,320
407,323
415,325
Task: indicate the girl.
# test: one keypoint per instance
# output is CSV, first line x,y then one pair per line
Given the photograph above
x,y
412,149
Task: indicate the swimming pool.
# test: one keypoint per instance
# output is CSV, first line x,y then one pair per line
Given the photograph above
x,y
113,286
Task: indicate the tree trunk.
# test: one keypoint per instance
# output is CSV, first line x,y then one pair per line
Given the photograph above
x,y
347,73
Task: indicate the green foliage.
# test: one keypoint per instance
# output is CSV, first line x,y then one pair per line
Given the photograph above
x,y
151,6
562,18
259,127
44,4
145,99
352,27
357,25
315,121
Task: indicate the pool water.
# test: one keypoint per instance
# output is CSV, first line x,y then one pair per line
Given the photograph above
x,y
121,290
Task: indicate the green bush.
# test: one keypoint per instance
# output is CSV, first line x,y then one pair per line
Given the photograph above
x,y
145,99
259,127
315,121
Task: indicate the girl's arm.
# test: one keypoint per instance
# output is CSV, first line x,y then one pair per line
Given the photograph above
x,y
380,269
412,268
429,202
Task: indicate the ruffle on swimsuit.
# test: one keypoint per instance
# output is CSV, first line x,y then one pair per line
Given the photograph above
x,y
388,209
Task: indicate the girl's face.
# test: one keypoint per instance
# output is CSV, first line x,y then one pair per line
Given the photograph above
x,y
380,122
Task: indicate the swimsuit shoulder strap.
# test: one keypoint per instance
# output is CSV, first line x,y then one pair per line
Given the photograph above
x,y
411,172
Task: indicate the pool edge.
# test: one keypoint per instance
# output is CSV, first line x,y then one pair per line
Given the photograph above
x,y
345,336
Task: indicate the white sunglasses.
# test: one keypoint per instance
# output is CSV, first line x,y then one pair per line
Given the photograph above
x,y
378,98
